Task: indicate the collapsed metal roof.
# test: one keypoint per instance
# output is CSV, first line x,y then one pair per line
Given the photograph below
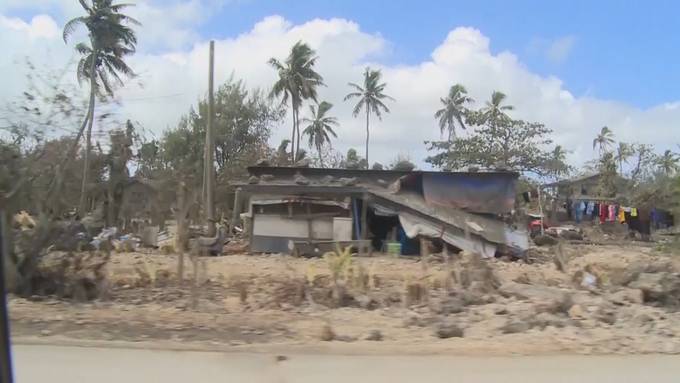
x,y
468,210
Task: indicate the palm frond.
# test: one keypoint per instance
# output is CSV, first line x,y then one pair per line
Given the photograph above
x,y
352,95
71,26
83,48
119,65
276,64
357,87
85,6
358,107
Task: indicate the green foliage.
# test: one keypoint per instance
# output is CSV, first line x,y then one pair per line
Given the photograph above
x,y
243,123
320,127
111,39
608,184
354,161
453,111
371,96
556,164
339,262
297,81
668,163
604,140
623,153
402,163
499,142
645,163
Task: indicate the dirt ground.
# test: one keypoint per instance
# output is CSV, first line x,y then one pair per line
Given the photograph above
x,y
381,304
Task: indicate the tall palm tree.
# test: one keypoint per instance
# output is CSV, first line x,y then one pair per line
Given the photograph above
x,y
623,152
320,127
604,139
297,82
558,161
454,110
102,60
668,162
494,109
371,98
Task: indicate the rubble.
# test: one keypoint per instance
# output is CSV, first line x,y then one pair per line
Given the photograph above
x,y
348,181
545,240
374,335
630,307
515,327
447,329
662,287
301,180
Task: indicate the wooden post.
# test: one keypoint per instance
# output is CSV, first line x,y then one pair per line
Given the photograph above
x,y
194,282
364,217
308,209
364,224
209,149
540,209
236,211
180,268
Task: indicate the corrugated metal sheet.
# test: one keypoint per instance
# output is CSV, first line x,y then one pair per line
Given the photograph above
x,y
479,193
415,226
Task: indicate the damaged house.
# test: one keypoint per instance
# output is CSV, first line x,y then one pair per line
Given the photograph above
x,y
308,210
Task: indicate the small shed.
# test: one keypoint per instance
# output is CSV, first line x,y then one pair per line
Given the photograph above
x,y
468,211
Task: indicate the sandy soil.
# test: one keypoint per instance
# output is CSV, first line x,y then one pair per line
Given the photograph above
x,y
256,302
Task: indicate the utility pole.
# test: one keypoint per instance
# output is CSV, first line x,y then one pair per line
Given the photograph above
x,y
209,171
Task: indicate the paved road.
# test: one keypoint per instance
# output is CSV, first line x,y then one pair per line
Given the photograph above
x,y
62,364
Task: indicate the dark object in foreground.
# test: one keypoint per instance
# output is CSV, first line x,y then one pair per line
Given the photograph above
x,y
5,352
446,330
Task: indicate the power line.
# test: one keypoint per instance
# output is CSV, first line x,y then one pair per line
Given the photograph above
x,y
153,97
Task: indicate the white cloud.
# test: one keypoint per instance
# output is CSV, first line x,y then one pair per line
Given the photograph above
x,y
559,49
170,24
41,26
174,77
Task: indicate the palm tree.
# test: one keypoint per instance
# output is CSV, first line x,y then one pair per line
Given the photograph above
x,y
371,98
320,128
454,110
101,61
494,109
557,162
297,82
668,162
604,139
623,152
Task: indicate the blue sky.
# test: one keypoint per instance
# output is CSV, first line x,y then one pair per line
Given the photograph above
x,y
624,50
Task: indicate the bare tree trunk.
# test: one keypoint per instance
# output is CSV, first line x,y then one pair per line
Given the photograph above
x,y
318,150
297,133
82,207
367,134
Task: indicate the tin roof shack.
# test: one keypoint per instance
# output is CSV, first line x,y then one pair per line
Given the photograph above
x,y
468,211
583,187
579,188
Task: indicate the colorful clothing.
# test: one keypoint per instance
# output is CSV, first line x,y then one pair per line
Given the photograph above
x,y
611,216
633,212
604,211
590,207
622,216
